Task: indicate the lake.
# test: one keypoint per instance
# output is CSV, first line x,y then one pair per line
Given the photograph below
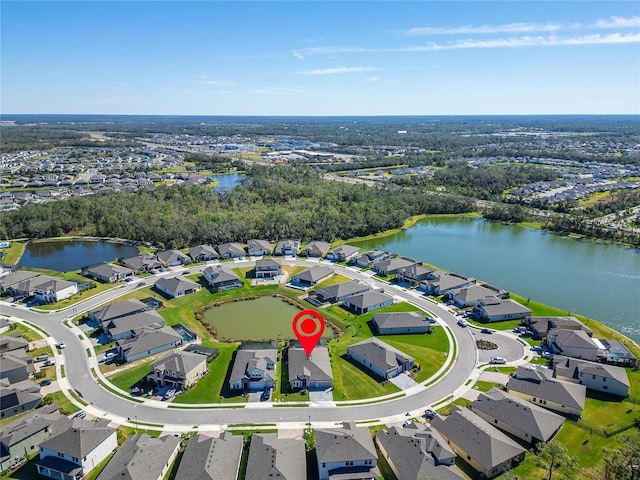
x,y
66,256
264,318
594,279
226,182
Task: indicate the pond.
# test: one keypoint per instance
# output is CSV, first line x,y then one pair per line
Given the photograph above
x,y
66,256
264,318
226,182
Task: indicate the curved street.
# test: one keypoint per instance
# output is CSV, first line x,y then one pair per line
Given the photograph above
x,y
103,403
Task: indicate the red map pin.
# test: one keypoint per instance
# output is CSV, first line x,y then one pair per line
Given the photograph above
x,y
308,325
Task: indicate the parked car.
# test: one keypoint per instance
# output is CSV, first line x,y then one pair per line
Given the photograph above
x,y
486,330
429,413
266,394
80,414
61,344
141,284
49,363
498,361
42,358
44,383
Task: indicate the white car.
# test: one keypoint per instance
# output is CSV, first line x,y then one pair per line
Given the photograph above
x,y
498,361
462,322
61,345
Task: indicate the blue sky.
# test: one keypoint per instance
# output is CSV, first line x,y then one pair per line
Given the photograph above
x,y
320,58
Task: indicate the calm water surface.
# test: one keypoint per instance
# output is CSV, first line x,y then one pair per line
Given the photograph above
x,y
597,280
227,181
66,256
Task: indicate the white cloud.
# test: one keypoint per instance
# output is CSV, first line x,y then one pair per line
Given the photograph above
x,y
338,70
619,22
276,91
469,29
372,79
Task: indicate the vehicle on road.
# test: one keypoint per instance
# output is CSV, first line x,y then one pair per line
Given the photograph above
x,y
498,361
61,344
486,330
80,414
141,284
462,322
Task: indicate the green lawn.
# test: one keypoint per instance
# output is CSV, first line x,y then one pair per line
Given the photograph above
x,y
129,378
13,252
429,350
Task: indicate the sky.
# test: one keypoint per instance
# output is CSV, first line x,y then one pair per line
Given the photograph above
x,y
320,57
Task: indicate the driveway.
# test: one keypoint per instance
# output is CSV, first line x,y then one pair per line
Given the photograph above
x,y
403,381
508,346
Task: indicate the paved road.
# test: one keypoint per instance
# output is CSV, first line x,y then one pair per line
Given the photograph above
x,y
78,374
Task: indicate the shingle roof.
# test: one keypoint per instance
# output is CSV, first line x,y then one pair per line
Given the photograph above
x,y
180,362
344,444
135,322
249,359
209,458
400,320
317,366
368,299
171,256
273,457
342,289
24,427
118,309
177,284
538,422
379,353
149,340
314,274
234,248
495,306
79,439
572,338
345,250
205,250
477,438
541,384
140,456
107,269
571,367
317,247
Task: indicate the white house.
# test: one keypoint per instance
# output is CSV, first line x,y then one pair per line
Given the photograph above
x,y
54,289
595,376
177,286
575,343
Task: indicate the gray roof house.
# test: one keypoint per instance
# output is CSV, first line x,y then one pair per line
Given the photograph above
x,y
595,376
516,416
417,452
311,372
148,342
537,385
367,302
484,447
342,253
288,246
494,309
18,397
15,366
24,434
380,357
203,253
142,263
346,452
53,289
312,275
132,325
316,249
369,258
268,268
107,272
178,369
142,456
470,295
401,322
74,452
231,250
177,286
221,279
116,310
541,325
339,291
440,283
273,457
392,265
575,343
9,343
254,367
259,248
211,458
413,273
11,282
173,258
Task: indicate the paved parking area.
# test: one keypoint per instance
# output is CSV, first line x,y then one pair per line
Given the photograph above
x,y
324,396
403,381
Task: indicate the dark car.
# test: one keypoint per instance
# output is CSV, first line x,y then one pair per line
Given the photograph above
x,y
486,330
266,394
80,414
44,383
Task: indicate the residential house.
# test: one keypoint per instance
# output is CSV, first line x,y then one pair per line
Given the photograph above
x,y
5,326
340,291
115,310
132,325
343,253
148,342
481,445
22,436
287,247
173,258
417,452
16,366
259,248
494,309
268,268
231,250
53,289
311,372
380,357
401,322
254,367
203,253
178,369
412,274
440,283
9,343
367,302
315,249
18,397
274,457
537,385
211,458
142,456
5,269
595,376
472,294
540,326
392,265
221,279
517,417
18,283
142,263
313,275
346,452
177,286
574,343
74,452
368,259
107,272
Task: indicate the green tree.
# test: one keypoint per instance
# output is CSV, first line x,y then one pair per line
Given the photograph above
x,y
553,456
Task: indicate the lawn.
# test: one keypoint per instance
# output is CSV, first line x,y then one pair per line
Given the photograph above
x,y
13,252
127,379
429,350
335,279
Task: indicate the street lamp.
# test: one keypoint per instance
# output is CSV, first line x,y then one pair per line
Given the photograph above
x,y
136,424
